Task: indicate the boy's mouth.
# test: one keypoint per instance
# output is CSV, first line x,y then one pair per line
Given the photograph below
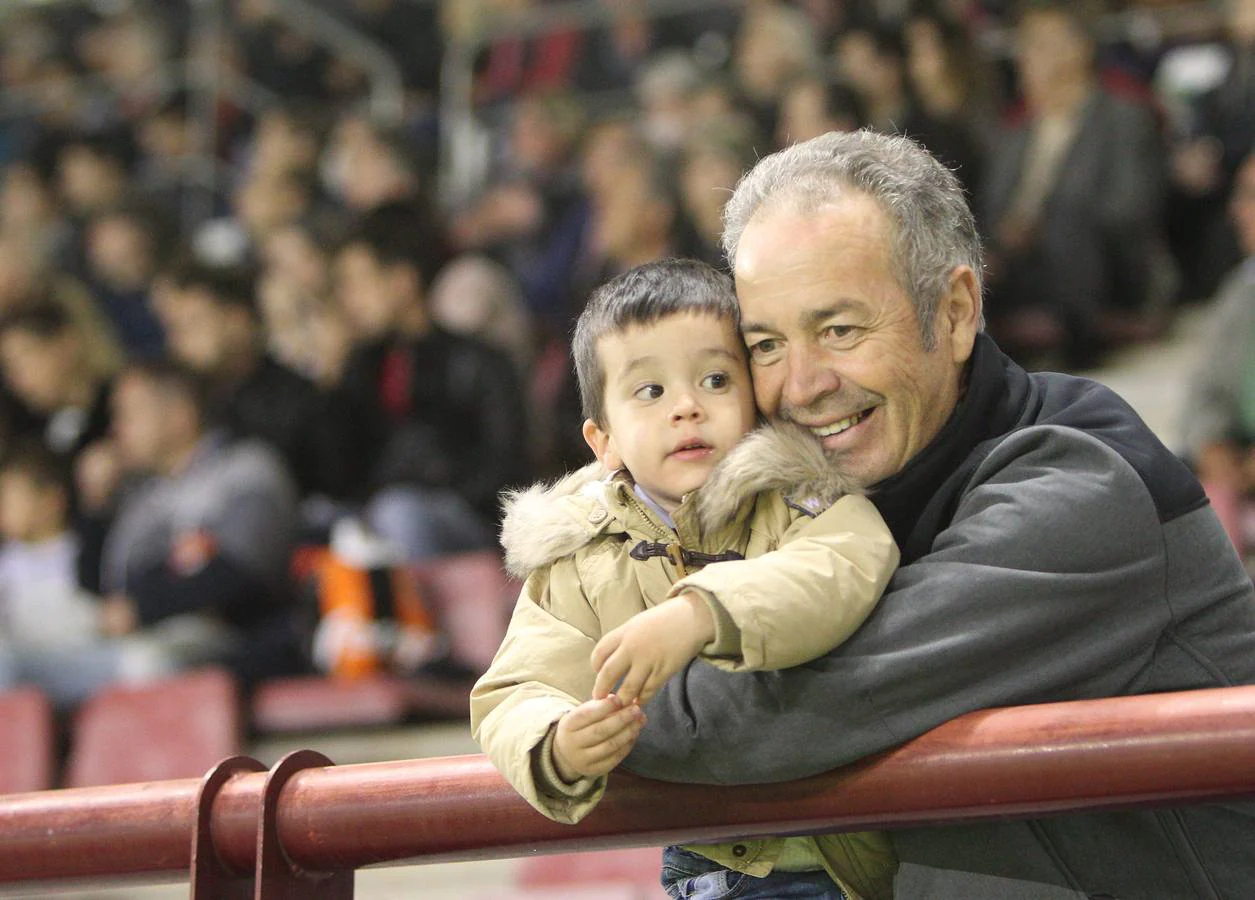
x,y
695,448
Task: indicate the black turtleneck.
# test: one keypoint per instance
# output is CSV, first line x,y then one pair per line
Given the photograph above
x,y
919,502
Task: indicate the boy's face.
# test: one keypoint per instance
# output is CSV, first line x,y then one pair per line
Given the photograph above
x,y
677,399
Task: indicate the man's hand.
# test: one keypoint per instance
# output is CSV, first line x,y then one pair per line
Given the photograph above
x,y
595,737
642,653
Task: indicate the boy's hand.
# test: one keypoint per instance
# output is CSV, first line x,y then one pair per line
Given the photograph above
x,y
649,648
595,737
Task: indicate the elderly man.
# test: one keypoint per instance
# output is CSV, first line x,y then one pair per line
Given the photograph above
x,y
1052,548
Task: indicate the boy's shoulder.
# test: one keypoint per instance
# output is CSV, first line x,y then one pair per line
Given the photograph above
x,y
554,519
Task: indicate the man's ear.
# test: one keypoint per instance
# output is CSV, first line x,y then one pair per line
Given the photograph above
x,y
602,445
958,317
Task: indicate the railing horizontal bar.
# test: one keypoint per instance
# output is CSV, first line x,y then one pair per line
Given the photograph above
x,y
1027,761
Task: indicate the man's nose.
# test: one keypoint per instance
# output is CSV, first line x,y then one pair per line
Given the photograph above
x,y
809,377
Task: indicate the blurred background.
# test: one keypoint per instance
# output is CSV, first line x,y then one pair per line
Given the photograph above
x,y
286,288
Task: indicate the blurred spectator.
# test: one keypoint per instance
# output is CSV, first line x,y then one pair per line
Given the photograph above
x,y
165,136
634,220
279,56
28,207
286,139
511,66
125,247
367,164
612,55
1073,197
476,297
93,171
951,89
440,418
533,216
26,278
215,330
871,58
129,51
1219,431
410,31
304,328
774,45
664,91
812,105
714,160
1214,131
196,556
46,363
44,613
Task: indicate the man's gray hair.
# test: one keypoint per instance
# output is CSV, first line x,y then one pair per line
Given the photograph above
x,y
933,230
642,296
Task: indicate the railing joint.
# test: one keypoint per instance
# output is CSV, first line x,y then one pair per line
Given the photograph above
x,y
211,878
277,877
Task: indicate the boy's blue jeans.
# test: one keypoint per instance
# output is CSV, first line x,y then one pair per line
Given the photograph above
x,y
687,876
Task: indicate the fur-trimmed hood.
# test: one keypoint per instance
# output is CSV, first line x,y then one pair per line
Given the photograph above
x,y
551,520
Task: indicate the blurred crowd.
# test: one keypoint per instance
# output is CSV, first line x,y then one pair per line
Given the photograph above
x,y
232,322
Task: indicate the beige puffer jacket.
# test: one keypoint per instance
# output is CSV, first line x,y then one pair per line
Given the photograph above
x,y
573,542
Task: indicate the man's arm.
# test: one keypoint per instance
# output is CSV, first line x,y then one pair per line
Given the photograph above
x,y
803,599
1047,585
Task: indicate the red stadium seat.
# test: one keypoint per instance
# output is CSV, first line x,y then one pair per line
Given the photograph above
x,y
176,728
27,741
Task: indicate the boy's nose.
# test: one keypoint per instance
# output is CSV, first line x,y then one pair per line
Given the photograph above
x,y
686,407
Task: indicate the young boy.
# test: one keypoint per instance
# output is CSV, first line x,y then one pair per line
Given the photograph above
x,y
660,553
42,607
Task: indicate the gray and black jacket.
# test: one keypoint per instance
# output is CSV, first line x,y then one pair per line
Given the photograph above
x,y
1052,549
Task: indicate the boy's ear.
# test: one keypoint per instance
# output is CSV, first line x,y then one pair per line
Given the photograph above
x,y
602,446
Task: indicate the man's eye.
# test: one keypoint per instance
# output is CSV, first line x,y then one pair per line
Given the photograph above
x,y
648,392
716,381
840,331
765,347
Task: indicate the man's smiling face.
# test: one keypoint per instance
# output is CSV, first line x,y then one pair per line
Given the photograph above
x,y
834,339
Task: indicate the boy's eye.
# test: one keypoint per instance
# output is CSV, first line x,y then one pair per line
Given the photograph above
x,y
648,392
716,381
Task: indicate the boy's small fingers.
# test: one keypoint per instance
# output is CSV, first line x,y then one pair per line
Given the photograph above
x,y
605,647
608,675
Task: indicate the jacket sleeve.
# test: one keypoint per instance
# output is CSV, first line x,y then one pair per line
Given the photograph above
x,y
1048,584
541,671
809,595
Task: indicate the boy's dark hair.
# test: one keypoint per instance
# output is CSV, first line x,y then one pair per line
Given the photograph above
x,y
402,233
32,458
44,319
225,285
643,296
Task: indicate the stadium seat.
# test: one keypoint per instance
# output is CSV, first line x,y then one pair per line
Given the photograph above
x,y
472,597
176,728
27,741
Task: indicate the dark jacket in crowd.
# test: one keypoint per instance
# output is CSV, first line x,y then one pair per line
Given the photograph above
x,y
438,411
1052,549
308,427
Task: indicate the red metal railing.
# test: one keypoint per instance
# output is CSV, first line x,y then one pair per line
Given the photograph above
x,y
300,829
